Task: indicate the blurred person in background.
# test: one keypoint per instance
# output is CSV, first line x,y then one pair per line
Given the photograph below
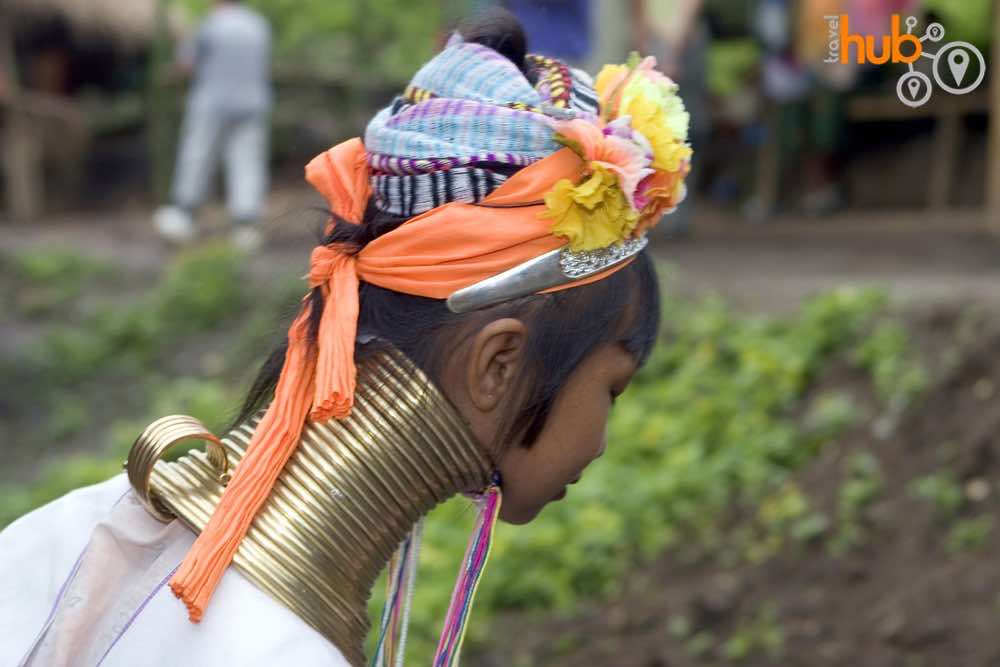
x,y
783,84
804,122
227,116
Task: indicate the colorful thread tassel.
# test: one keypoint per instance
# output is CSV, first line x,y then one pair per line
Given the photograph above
x,y
400,578
401,575
476,554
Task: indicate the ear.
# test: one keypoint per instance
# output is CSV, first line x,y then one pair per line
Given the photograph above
x,y
495,357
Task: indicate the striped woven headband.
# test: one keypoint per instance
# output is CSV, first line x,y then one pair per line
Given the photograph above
x,y
400,166
466,121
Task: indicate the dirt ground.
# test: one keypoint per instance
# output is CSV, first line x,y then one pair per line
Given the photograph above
x,y
920,258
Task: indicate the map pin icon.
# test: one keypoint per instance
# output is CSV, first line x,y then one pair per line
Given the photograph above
x,y
958,63
914,86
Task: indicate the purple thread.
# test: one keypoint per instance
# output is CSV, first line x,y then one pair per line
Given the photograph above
x,y
55,605
136,613
414,166
62,589
475,557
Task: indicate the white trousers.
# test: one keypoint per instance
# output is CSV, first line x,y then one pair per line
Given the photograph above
x,y
241,140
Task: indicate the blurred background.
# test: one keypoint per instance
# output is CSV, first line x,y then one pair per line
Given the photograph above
x,y
807,472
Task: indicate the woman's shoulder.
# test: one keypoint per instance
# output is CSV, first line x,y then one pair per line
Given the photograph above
x,y
101,565
244,626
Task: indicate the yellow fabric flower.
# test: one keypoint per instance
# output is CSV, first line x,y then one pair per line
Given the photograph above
x,y
658,126
593,214
608,80
619,196
651,100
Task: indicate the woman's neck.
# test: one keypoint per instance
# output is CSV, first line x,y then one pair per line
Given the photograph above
x,y
346,499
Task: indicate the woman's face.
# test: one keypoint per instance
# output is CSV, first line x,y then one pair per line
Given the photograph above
x,y
575,433
488,379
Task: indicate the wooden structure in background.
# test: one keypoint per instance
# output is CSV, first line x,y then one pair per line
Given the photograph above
x,y
19,153
32,121
948,112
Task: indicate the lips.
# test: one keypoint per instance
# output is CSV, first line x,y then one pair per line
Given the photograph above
x,y
562,494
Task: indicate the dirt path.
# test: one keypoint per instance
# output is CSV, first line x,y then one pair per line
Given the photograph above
x,y
767,267
773,266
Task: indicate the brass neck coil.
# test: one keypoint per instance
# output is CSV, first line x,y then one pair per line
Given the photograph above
x,y
346,499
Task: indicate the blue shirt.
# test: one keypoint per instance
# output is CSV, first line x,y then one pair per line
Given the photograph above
x,y
557,28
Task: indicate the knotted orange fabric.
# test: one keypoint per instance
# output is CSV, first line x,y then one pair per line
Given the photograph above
x,y
432,255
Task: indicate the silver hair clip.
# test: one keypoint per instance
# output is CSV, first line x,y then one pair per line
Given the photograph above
x,y
554,268
558,113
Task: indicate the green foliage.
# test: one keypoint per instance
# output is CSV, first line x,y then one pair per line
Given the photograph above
x,y
679,626
381,39
785,516
884,354
67,417
78,365
201,289
968,20
54,264
730,64
862,484
969,534
57,478
942,490
49,279
761,633
209,399
701,644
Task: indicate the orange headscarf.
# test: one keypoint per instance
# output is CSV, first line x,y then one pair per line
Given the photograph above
x,y
433,254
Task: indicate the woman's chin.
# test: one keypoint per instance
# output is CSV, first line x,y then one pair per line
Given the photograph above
x,y
519,515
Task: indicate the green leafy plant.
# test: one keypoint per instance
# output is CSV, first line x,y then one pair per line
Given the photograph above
x,y
760,633
969,534
861,486
942,490
48,279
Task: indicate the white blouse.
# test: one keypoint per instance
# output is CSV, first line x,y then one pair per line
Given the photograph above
x,y
83,582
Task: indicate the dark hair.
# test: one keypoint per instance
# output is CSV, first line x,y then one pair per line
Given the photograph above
x,y
564,326
500,30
